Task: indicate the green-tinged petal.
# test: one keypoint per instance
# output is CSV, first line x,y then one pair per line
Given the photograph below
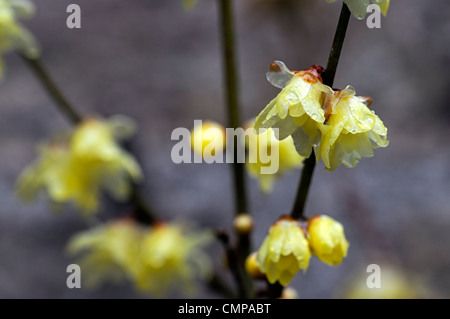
x,y
267,117
383,4
358,7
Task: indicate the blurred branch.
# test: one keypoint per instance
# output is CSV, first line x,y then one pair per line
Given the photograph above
x,y
53,91
231,84
244,291
142,210
217,284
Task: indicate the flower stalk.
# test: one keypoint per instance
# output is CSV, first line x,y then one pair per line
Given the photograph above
x,y
328,79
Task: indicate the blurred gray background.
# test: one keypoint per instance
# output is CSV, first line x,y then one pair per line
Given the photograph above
x,y
153,61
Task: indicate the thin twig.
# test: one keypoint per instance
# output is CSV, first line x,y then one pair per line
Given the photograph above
x,y
233,263
53,91
231,85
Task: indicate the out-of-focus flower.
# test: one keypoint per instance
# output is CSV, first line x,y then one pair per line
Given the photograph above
x,y
208,138
394,283
284,251
108,252
297,109
289,293
13,36
338,125
285,159
189,4
327,240
77,168
171,259
351,132
359,7
243,223
157,259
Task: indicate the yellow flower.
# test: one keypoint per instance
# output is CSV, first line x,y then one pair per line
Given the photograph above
x,y
156,259
171,260
338,125
327,240
208,138
297,109
284,251
13,36
352,131
359,7
286,158
78,168
107,252
252,268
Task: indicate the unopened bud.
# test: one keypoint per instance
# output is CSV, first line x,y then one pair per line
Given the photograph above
x,y
243,223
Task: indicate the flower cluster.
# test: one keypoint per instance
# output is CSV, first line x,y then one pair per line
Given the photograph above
x,y
289,245
77,167
13,36
158,260
337,125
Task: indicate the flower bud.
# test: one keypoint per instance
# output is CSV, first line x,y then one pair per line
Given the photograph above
x,y
243,223
252,268
284,251
327,240
208,138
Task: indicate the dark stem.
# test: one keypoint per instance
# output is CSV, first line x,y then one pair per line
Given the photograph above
x,y
275,291
328,79
216,283
231,85
52,89
244,290
336,48
143,212
303,187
